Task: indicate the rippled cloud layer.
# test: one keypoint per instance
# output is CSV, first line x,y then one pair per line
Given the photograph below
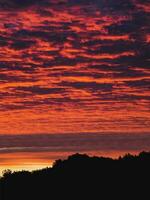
x,y
74,66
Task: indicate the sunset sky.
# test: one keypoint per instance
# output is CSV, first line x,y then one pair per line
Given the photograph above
x,y
74,77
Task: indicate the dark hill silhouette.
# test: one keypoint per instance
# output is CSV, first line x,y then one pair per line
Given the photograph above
x,y
82,177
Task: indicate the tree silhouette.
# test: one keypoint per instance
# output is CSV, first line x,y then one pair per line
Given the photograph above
x,y
81,177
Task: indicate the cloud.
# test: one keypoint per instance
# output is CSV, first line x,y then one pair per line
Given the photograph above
x,y
74,142
139,84
10,4
22,44
40,90
89,57
90,85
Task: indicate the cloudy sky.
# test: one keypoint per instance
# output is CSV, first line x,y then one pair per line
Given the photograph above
x,y
74,67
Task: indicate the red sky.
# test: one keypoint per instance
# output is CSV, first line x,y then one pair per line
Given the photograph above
x,y
74,67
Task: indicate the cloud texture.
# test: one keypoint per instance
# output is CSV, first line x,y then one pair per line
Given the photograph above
x,y
74,66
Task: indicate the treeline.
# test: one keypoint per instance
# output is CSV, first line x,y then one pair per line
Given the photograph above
x,y
82,177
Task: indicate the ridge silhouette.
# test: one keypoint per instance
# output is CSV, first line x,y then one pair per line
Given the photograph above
x,y
82,177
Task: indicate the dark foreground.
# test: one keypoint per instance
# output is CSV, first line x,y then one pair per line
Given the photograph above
x,y
82,177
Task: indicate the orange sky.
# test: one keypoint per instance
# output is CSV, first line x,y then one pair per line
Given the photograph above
x,y
74,67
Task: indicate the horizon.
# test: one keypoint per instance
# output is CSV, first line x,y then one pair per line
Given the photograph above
x,y
50,166
40,151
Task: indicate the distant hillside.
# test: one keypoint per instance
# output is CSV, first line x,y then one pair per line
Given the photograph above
x,y
82,177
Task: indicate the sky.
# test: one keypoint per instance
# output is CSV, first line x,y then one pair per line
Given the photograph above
x,y
74,77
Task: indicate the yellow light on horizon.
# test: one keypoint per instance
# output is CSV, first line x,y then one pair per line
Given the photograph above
x,y
24,167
